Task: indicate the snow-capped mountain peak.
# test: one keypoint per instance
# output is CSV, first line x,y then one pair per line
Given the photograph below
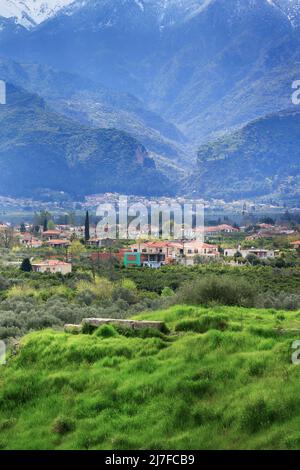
x,y
291,8
164,12
30,13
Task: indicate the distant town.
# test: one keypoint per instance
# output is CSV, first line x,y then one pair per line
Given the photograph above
x,y
55,236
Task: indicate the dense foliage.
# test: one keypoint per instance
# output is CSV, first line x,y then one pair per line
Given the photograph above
x,y
33,301
263,278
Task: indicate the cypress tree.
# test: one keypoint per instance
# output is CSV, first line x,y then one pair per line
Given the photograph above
x,y
26,265
87,227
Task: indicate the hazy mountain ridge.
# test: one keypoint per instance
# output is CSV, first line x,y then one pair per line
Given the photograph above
x,y
262,159
83,101
198,68
40,149
185,70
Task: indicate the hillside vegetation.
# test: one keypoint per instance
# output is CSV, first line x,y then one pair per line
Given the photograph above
x,y
34,301
261,158
94,105
223,378
41,150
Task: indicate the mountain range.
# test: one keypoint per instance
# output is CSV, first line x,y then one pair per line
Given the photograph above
x,y
30,13
260,159
42,152
175,74
80,99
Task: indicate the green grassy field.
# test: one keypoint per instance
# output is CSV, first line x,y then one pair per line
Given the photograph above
x,y
222,379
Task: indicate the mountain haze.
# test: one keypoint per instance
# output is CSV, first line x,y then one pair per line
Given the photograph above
x,y
90,104
191,61
262,159
39,149
174,74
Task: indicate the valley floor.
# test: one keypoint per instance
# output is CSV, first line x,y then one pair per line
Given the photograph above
x,y
223,378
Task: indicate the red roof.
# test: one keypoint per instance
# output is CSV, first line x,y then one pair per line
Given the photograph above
x,y
51,262
58,242
207,245
26,236
52,231
162,244
220,228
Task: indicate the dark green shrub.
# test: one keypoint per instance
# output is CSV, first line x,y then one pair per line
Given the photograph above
x,y
127,295
222,291
167,292
106,331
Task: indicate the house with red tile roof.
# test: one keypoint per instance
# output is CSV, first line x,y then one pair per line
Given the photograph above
x,y
296,244
194,249
58,243
28,240
51,234
224,228
168,252
52,266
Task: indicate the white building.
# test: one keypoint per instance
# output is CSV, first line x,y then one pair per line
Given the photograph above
x,y
259,252
52,266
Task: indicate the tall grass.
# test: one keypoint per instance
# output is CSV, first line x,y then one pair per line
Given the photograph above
x,y
216,382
